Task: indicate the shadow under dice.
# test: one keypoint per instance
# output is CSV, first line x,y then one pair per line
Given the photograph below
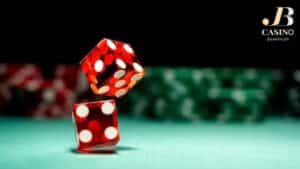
x,y
97,125
112,68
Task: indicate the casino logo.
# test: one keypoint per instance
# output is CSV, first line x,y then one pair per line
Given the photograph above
x,y
281,29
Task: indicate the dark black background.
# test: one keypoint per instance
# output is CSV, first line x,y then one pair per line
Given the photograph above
x,y
174,34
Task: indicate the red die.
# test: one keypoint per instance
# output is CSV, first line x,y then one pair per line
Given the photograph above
x,y
112,68
97,125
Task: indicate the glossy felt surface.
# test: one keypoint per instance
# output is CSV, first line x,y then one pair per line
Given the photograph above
x,y
27,143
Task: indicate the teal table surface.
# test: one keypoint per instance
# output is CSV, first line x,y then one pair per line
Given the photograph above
x,y
43,144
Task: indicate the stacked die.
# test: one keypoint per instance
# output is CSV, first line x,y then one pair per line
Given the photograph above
x,y
111,69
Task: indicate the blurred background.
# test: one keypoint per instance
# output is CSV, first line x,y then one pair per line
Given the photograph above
x,y
180,93
217,93
199,66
